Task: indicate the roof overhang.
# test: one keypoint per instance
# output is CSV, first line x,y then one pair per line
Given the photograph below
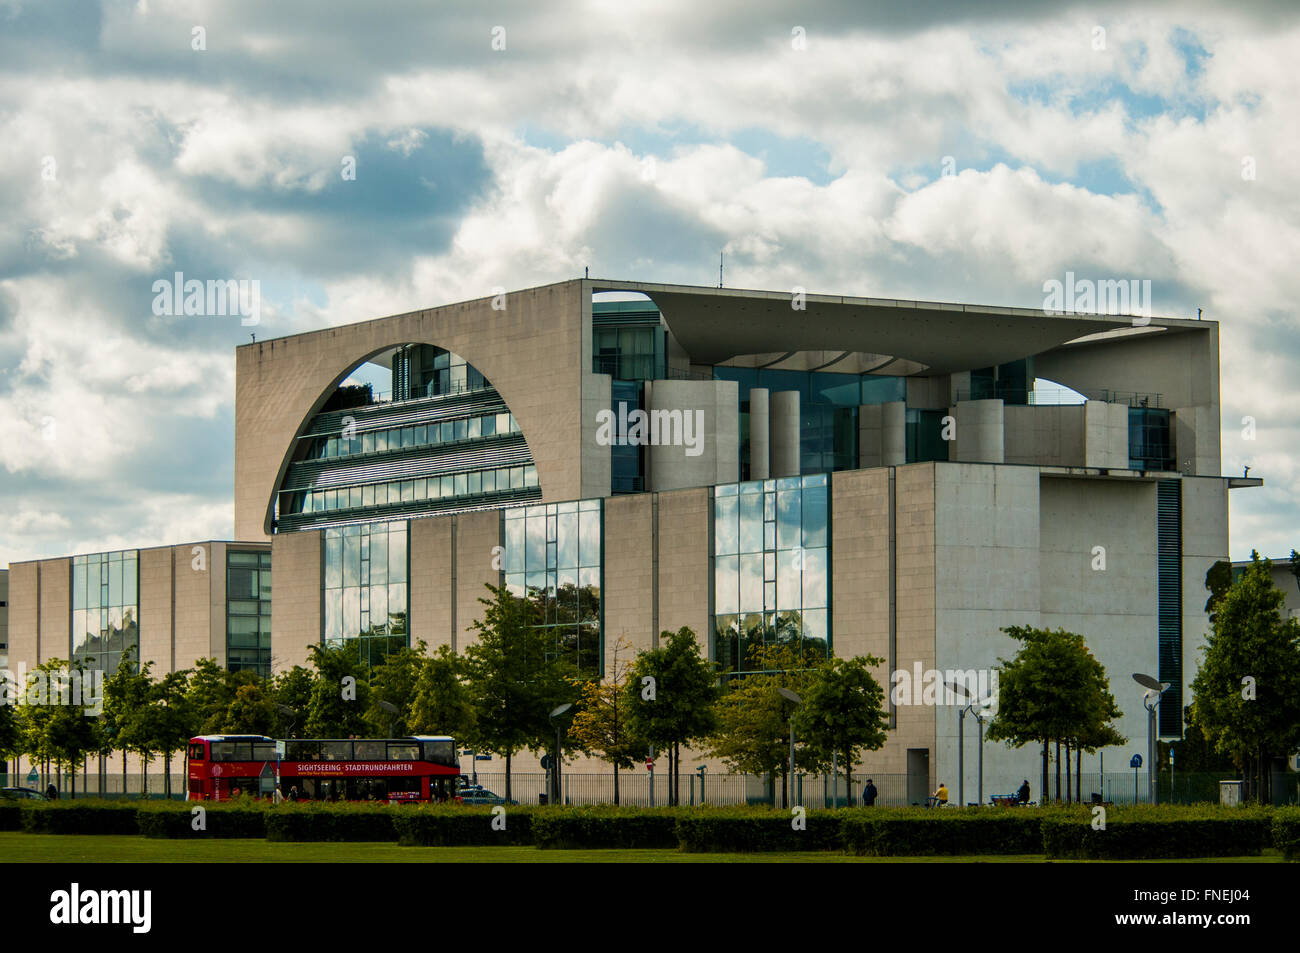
x,y
717,324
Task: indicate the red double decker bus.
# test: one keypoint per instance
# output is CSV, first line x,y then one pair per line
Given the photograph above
x,y
417,768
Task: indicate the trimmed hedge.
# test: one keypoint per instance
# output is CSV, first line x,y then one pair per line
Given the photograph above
x,y
1286,832
723,830
606,827
219,822
458,826
915,833
1159,833
313,822
10,818
78,817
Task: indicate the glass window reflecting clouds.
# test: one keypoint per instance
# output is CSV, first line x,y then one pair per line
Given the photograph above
x,y
770,566
105,609
366,588
553,553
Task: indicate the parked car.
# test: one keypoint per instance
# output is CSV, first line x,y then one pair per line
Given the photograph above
x,y
21,794
477,794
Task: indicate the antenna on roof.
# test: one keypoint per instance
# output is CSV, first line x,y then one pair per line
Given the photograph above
x,y
1198,314
719,269
586,271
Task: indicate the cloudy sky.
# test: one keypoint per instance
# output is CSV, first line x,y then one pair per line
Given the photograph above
x,y
513,144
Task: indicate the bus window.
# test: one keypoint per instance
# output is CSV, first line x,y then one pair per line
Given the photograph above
x,y
440,752
403,752
264,751
336,750
198,751
302,751
368,751
232,751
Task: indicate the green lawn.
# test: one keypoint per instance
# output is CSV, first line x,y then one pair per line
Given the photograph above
x,y
89,848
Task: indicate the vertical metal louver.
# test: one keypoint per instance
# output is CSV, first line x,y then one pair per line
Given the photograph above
x,y
1169,582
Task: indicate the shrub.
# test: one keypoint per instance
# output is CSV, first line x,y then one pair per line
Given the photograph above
x,y
1146,833
752,830
605,827
78,817
10,818
456,826
348,822
911,832
1286,832
220,821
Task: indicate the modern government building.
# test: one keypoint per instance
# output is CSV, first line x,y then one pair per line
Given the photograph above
x,y
869,476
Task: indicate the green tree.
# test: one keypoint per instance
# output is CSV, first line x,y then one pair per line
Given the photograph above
x,y
843,712
1218,579
170,721
514,678
293,690
56,729
252,711
753,718
1054,690
442,704
340,695
11,736
211,691
601,726
134,720
124,694
1247,687
393,680
680,707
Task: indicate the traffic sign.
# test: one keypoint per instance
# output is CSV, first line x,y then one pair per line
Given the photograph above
x,y
546,762
649,764
1135,761
33,777
279,750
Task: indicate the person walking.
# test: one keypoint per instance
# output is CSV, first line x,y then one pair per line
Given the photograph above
x,y
869,794
1022,796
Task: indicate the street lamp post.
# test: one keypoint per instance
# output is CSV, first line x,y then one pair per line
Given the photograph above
x,y
1151,701
555,762
293,720
788,695
961,744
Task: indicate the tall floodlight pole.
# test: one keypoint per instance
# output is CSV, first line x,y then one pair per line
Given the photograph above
x,y
1151,701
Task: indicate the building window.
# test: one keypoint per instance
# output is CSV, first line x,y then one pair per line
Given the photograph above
x,y
1149,443
925,435
553,553
105,609
771,566
365,589
248,612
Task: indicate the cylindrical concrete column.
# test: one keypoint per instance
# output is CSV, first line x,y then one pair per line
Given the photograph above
x,y
893,433
759,467
783,416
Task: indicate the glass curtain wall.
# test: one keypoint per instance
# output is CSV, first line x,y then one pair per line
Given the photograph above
x,y
248,612
365,589
553,554
771,558
105,609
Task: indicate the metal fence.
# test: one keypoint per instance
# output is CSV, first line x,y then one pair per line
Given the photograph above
x,y
810,791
